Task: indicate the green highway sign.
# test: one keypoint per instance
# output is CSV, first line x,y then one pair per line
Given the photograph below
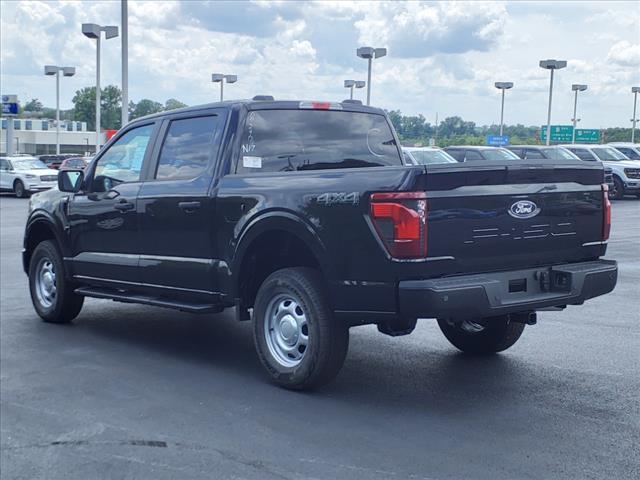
x,y
559,133
585,135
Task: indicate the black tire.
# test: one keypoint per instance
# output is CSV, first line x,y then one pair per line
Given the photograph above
x,y
328,339
19,189
65,305
618,189
498,335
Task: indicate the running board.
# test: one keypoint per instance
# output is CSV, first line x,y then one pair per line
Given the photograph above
x,y
127,297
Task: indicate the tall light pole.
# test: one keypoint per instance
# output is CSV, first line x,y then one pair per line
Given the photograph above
x,y
67,72
350,84
125,62
551,65
221,78
370,53
576,88
635,91
93,30
502,86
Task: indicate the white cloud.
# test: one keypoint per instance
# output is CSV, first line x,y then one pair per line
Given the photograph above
x,y
625,53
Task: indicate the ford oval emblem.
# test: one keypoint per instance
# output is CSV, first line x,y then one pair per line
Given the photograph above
x,y
524,209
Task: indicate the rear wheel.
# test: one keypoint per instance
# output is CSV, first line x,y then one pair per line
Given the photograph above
x,y
51,294
494,335
298,340
19,190
618,189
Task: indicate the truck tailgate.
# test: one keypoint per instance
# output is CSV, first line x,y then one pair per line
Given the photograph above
x,y
501,217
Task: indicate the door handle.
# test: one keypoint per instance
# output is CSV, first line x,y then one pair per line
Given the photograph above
x,y
124,206
189,207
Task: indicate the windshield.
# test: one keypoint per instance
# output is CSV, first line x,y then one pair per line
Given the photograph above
x,y
499,154
294,140
559,153
609,154
28,164
426,157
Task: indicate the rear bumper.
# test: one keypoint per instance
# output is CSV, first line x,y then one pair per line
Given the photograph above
x,y
500,293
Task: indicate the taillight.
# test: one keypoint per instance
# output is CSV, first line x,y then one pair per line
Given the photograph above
x,y
400,220
606,213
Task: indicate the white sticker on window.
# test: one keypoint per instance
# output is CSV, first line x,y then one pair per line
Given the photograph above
x,y
251,162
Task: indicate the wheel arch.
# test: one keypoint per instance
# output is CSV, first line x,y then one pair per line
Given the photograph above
x,y
39,228
272,241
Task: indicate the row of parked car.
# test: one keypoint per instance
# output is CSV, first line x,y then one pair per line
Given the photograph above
x,y
621,160
25,174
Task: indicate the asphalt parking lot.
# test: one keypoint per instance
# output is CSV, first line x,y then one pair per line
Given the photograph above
x,y
137,392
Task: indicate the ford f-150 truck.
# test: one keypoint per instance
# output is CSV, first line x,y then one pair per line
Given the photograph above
x,y
302,216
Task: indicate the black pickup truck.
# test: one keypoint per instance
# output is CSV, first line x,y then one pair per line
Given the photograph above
x,y
302,216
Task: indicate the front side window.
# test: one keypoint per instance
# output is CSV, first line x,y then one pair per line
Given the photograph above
x,y
533,154
122,162
296,140
472,155
4,165
559,153
583,154
188,148
500,154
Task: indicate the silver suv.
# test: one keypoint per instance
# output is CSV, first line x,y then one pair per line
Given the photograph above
x,y
626,173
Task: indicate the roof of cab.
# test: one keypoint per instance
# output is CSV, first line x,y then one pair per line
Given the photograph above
x,y
252,104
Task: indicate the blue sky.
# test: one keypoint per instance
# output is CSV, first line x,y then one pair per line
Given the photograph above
x,y
443,56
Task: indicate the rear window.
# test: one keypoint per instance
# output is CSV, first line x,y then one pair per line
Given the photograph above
x,y
295,140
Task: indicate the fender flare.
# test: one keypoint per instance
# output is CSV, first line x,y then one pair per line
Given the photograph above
x,y
279,220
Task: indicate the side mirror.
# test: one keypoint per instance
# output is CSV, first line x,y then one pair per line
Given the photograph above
x,y
70,180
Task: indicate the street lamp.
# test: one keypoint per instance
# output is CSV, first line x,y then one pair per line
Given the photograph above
x,y
350,84
576,88
93,30
221,78
370,53
635,91
502,86
551,65
67,72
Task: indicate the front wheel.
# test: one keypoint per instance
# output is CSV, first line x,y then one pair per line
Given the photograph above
x,y
494,335
19,190
618,189
297,339
51,293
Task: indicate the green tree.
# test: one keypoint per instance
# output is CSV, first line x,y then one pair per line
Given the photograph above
x,y
145,107
84,107
33,105
172,104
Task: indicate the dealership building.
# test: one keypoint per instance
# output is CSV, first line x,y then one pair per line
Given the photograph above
x,y
38,136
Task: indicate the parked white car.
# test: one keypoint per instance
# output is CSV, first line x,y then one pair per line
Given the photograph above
x,y
24,175
626,173
426,156
631,150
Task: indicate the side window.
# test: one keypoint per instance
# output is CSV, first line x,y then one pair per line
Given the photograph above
x,y
583,154
457,154
518,151
533,154
407,159
188,148
472,155
4,165
122,162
